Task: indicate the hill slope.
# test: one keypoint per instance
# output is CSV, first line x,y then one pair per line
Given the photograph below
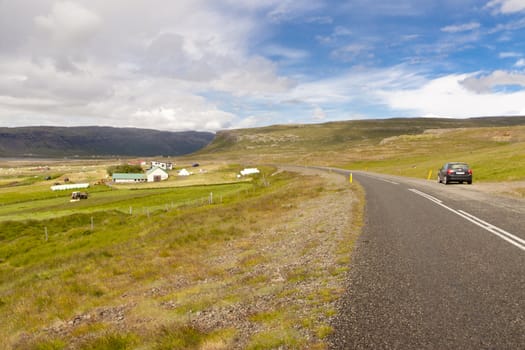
x,y
44,141
412,147
339,135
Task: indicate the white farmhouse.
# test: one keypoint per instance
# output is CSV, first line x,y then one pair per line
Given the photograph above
x,y
156,174
162,165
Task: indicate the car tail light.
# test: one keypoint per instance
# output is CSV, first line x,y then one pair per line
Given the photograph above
x,y
470,171
450,171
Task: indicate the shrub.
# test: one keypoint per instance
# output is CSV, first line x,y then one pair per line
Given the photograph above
x,y
124,168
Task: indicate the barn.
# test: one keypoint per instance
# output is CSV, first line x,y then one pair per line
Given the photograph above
x,y
156,174
128,177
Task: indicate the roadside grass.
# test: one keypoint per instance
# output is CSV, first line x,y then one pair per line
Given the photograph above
x,y
492,157
135,281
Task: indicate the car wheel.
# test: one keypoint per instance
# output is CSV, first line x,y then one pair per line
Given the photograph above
x,y
469,182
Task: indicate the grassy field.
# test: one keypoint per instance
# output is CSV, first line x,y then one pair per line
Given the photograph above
x,y
94,274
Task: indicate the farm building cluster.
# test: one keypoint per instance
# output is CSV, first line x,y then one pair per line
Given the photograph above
x,y
154,174
157,172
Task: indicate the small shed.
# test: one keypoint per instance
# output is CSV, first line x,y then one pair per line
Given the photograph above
x,y
249,171
184,172
128,177
156,174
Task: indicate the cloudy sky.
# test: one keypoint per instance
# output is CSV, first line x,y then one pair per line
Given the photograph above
x,y
218,64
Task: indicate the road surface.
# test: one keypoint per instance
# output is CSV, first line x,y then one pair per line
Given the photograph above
x,y
436,267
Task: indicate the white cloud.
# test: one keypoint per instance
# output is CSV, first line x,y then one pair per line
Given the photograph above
x,y
318,114
248,122
507,6
509,54
320,19
487,83
288,10
461,27
520,63
338,33
352,52
448,96
354,85
255,77
69,22
140,63
286,52
205,65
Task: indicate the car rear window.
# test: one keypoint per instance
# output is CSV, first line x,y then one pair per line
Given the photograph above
x,y
459,166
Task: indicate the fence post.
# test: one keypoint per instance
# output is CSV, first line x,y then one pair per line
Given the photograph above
x,y
45,233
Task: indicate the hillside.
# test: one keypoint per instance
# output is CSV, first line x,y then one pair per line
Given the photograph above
x,y
44,141
402,146
337,135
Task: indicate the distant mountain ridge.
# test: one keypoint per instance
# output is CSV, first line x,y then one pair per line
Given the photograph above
x,y
88,141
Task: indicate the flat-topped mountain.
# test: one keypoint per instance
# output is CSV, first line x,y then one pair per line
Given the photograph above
x,y
48,141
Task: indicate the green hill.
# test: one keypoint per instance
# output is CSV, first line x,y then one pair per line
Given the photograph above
x,y
401,146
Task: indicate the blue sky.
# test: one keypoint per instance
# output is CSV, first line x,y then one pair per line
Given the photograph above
x,y
212,65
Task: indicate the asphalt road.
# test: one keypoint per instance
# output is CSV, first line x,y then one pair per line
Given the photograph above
x,y
428,274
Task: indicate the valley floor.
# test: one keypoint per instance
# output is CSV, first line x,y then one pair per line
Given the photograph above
x,y
274,286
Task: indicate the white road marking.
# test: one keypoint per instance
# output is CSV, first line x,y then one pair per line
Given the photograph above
x,y
384,180
507,236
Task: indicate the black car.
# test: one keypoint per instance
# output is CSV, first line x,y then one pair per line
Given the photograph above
x,y
455,172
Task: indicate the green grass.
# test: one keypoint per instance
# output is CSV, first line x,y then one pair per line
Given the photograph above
x,y
96,267
49,205
490,159
275,339
111,342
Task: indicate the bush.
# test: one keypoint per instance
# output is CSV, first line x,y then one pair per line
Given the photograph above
x,y
124,168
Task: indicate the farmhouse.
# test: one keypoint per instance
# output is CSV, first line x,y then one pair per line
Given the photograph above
x,y
156,174
162,165
128,177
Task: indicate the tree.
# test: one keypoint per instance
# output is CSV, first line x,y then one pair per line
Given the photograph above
x,y
124,168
